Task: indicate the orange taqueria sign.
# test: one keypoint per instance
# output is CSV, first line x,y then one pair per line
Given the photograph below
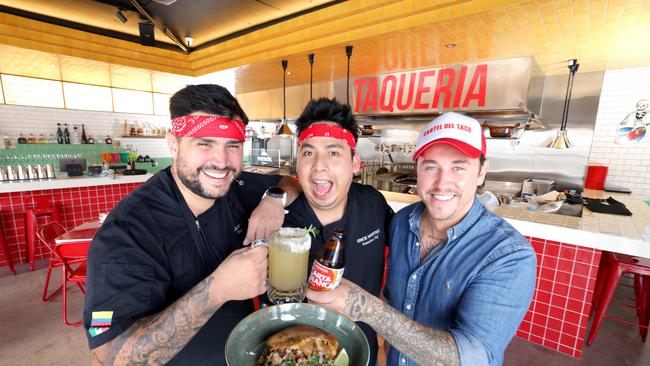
x,y
493,85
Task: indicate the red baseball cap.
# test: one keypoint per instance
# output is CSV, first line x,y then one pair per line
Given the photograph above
x,y
460,131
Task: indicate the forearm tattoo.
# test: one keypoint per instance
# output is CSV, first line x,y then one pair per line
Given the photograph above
x,y
157,339
424,345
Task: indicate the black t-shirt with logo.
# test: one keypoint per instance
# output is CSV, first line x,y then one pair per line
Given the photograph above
x,y
365,223
151,250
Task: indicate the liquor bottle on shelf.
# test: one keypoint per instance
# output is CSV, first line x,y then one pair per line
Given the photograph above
x,y
59,134
22,139
75,135
84,140
140,131
146,131
31,139
66,134
125,130
91,140
52,139
108,140
42,139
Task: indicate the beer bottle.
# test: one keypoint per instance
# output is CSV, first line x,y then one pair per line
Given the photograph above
x,y
329,264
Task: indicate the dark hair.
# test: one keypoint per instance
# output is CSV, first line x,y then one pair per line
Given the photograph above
x,y
208,98
329,110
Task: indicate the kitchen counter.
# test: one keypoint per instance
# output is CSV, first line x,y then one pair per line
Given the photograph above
x,y
616,233
70,182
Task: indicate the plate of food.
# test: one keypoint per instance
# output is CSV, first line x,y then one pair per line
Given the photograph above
x,y
297,335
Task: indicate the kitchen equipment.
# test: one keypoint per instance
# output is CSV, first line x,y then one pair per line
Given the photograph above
x,y
95,169
11,173
31,172
246,341
21,173
135,172
501,130
74,170
40,171
561,141
49,171
367,130
63,163
535,187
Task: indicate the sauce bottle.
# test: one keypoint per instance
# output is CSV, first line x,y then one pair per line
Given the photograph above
x,y
329,264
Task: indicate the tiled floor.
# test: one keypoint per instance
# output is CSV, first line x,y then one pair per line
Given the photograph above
x,y
32,332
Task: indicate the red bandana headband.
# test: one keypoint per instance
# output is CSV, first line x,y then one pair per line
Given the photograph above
x,y
326,130
208,126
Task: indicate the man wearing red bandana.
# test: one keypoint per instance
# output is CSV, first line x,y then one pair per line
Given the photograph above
x,y
168,274
326,162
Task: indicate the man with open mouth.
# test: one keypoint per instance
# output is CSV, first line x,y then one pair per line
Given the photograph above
x,y
326,162
168,274
460,278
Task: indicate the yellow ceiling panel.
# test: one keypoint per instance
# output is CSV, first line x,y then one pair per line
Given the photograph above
x,y
79,70
126,77
26,62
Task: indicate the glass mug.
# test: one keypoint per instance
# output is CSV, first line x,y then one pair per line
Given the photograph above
x,y
288,260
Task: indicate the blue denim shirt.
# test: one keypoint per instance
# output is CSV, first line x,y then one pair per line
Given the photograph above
x,y
477,285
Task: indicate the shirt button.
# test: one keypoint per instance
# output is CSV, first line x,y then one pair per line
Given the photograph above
x,y
403,360
417,243
408,307
414,276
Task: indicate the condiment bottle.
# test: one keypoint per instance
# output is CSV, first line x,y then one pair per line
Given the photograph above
x,y
329,264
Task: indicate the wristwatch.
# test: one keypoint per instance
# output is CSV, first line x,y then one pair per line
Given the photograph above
x,y
276,192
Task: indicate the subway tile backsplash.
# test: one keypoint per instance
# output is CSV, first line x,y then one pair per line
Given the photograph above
x,y
38,120
629,163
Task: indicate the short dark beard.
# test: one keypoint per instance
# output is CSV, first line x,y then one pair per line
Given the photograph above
x,y
194,185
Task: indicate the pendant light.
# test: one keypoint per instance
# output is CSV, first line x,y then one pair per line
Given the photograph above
x,y
561,141
348,53
310,57
284,128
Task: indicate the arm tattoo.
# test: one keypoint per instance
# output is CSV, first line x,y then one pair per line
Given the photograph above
x,y
157,339
424,345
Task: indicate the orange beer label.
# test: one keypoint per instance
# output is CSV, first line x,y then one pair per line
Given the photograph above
x,y
324,278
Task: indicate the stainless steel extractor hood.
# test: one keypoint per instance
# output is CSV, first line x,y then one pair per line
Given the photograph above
x,y
511,86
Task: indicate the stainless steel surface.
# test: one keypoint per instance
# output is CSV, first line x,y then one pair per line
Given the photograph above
x,y
512,86
40,171
21,172
11,173
31,172
49,171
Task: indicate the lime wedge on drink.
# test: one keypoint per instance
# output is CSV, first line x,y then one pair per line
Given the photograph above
x,y
342,358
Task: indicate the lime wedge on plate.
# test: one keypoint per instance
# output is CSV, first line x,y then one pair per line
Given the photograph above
x,y
342,358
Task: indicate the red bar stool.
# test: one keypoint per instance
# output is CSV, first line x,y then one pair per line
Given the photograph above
x,y
5,251
40,206
613,267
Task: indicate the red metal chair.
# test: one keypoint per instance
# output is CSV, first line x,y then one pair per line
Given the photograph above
x,y
72,257
5,251
613,267
39,206
46,234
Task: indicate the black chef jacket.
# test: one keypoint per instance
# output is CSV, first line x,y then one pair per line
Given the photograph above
x,y
365,222
151,250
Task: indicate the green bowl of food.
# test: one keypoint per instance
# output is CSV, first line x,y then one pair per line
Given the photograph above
x,y
297,334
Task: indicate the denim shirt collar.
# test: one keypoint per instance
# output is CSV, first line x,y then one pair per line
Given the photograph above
x,y
455,231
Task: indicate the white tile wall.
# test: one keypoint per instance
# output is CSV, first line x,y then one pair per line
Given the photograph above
x,y
629,164
36,120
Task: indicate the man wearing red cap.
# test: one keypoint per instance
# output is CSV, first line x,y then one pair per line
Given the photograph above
x,y
460,278
168,277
